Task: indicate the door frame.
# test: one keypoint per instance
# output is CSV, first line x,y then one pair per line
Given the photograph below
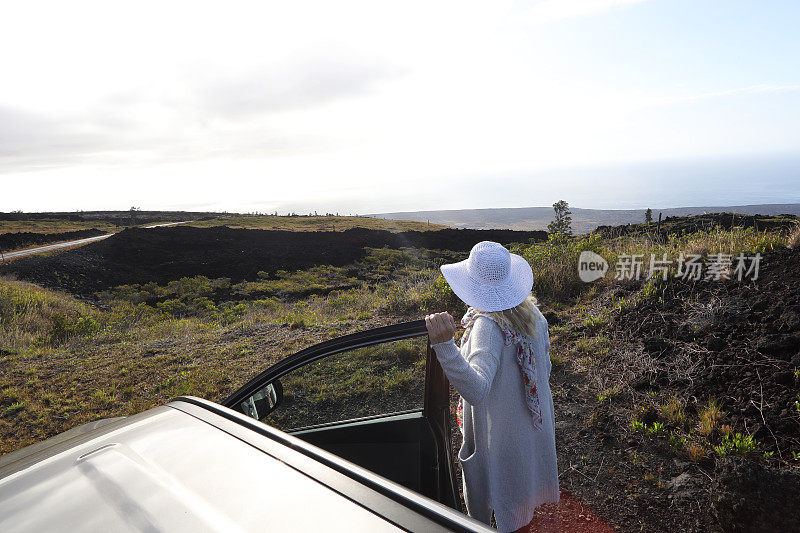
x,y
436,407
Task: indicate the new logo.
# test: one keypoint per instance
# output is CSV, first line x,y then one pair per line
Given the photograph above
x,y
591,266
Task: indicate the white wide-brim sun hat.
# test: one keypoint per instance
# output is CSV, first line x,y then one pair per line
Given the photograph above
x,y
491,278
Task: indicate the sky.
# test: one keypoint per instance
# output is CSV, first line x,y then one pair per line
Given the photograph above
x,y
368,107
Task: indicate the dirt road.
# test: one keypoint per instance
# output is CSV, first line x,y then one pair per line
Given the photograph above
x,y
68,244
51,247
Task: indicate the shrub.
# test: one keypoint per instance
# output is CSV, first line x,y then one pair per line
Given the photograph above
x,y
201,306
33,316
268,304
10,396
438,296
124,315
736,444
299,318
320,278
189,287
387,263
555,264
231,313
66,326
14,408
172,307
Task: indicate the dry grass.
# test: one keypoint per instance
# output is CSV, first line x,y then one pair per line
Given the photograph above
x,y
793,241
132,357
299,223
709,418
695,452
55,226
315,223
32,316
672,410
65,362
555,262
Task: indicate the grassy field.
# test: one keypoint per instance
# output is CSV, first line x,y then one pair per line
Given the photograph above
x,y
294,223
314,223
55,226
67,362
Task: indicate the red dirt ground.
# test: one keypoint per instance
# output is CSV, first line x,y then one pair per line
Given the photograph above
x,y
568,515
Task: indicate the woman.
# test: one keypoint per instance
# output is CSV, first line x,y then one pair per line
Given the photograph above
x,y
502,372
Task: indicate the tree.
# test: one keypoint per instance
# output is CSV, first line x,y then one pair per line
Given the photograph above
x,y
562,223
648,216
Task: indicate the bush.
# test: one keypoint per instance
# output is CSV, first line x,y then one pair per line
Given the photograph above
x,y
445,295
123,316
555,264
66,326
231,313
33,316
189,287
201,306
172,307
438,297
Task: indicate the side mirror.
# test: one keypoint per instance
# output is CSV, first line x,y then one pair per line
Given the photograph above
x,y
264,401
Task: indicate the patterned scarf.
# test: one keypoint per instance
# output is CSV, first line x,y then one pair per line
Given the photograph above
x,y
525,359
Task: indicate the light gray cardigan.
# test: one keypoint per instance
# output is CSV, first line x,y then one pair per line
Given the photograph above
x,y
509,466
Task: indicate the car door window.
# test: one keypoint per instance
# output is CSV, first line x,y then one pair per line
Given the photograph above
x,y
371,380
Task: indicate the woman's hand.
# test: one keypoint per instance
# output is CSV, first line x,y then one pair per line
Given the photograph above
x,y
441,327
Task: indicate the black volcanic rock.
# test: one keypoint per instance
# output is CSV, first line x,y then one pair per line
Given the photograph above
x,y
163,254
15,241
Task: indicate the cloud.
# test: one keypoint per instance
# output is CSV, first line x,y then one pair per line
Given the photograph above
x,y
343,99
553,10
749,90
197,117
307,84
30,140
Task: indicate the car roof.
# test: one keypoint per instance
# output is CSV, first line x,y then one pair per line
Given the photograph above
x,y
195,465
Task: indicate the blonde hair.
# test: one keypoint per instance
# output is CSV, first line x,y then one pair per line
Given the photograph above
x,y
523,318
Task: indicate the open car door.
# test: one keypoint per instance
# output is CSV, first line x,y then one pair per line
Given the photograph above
x,y
377,398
